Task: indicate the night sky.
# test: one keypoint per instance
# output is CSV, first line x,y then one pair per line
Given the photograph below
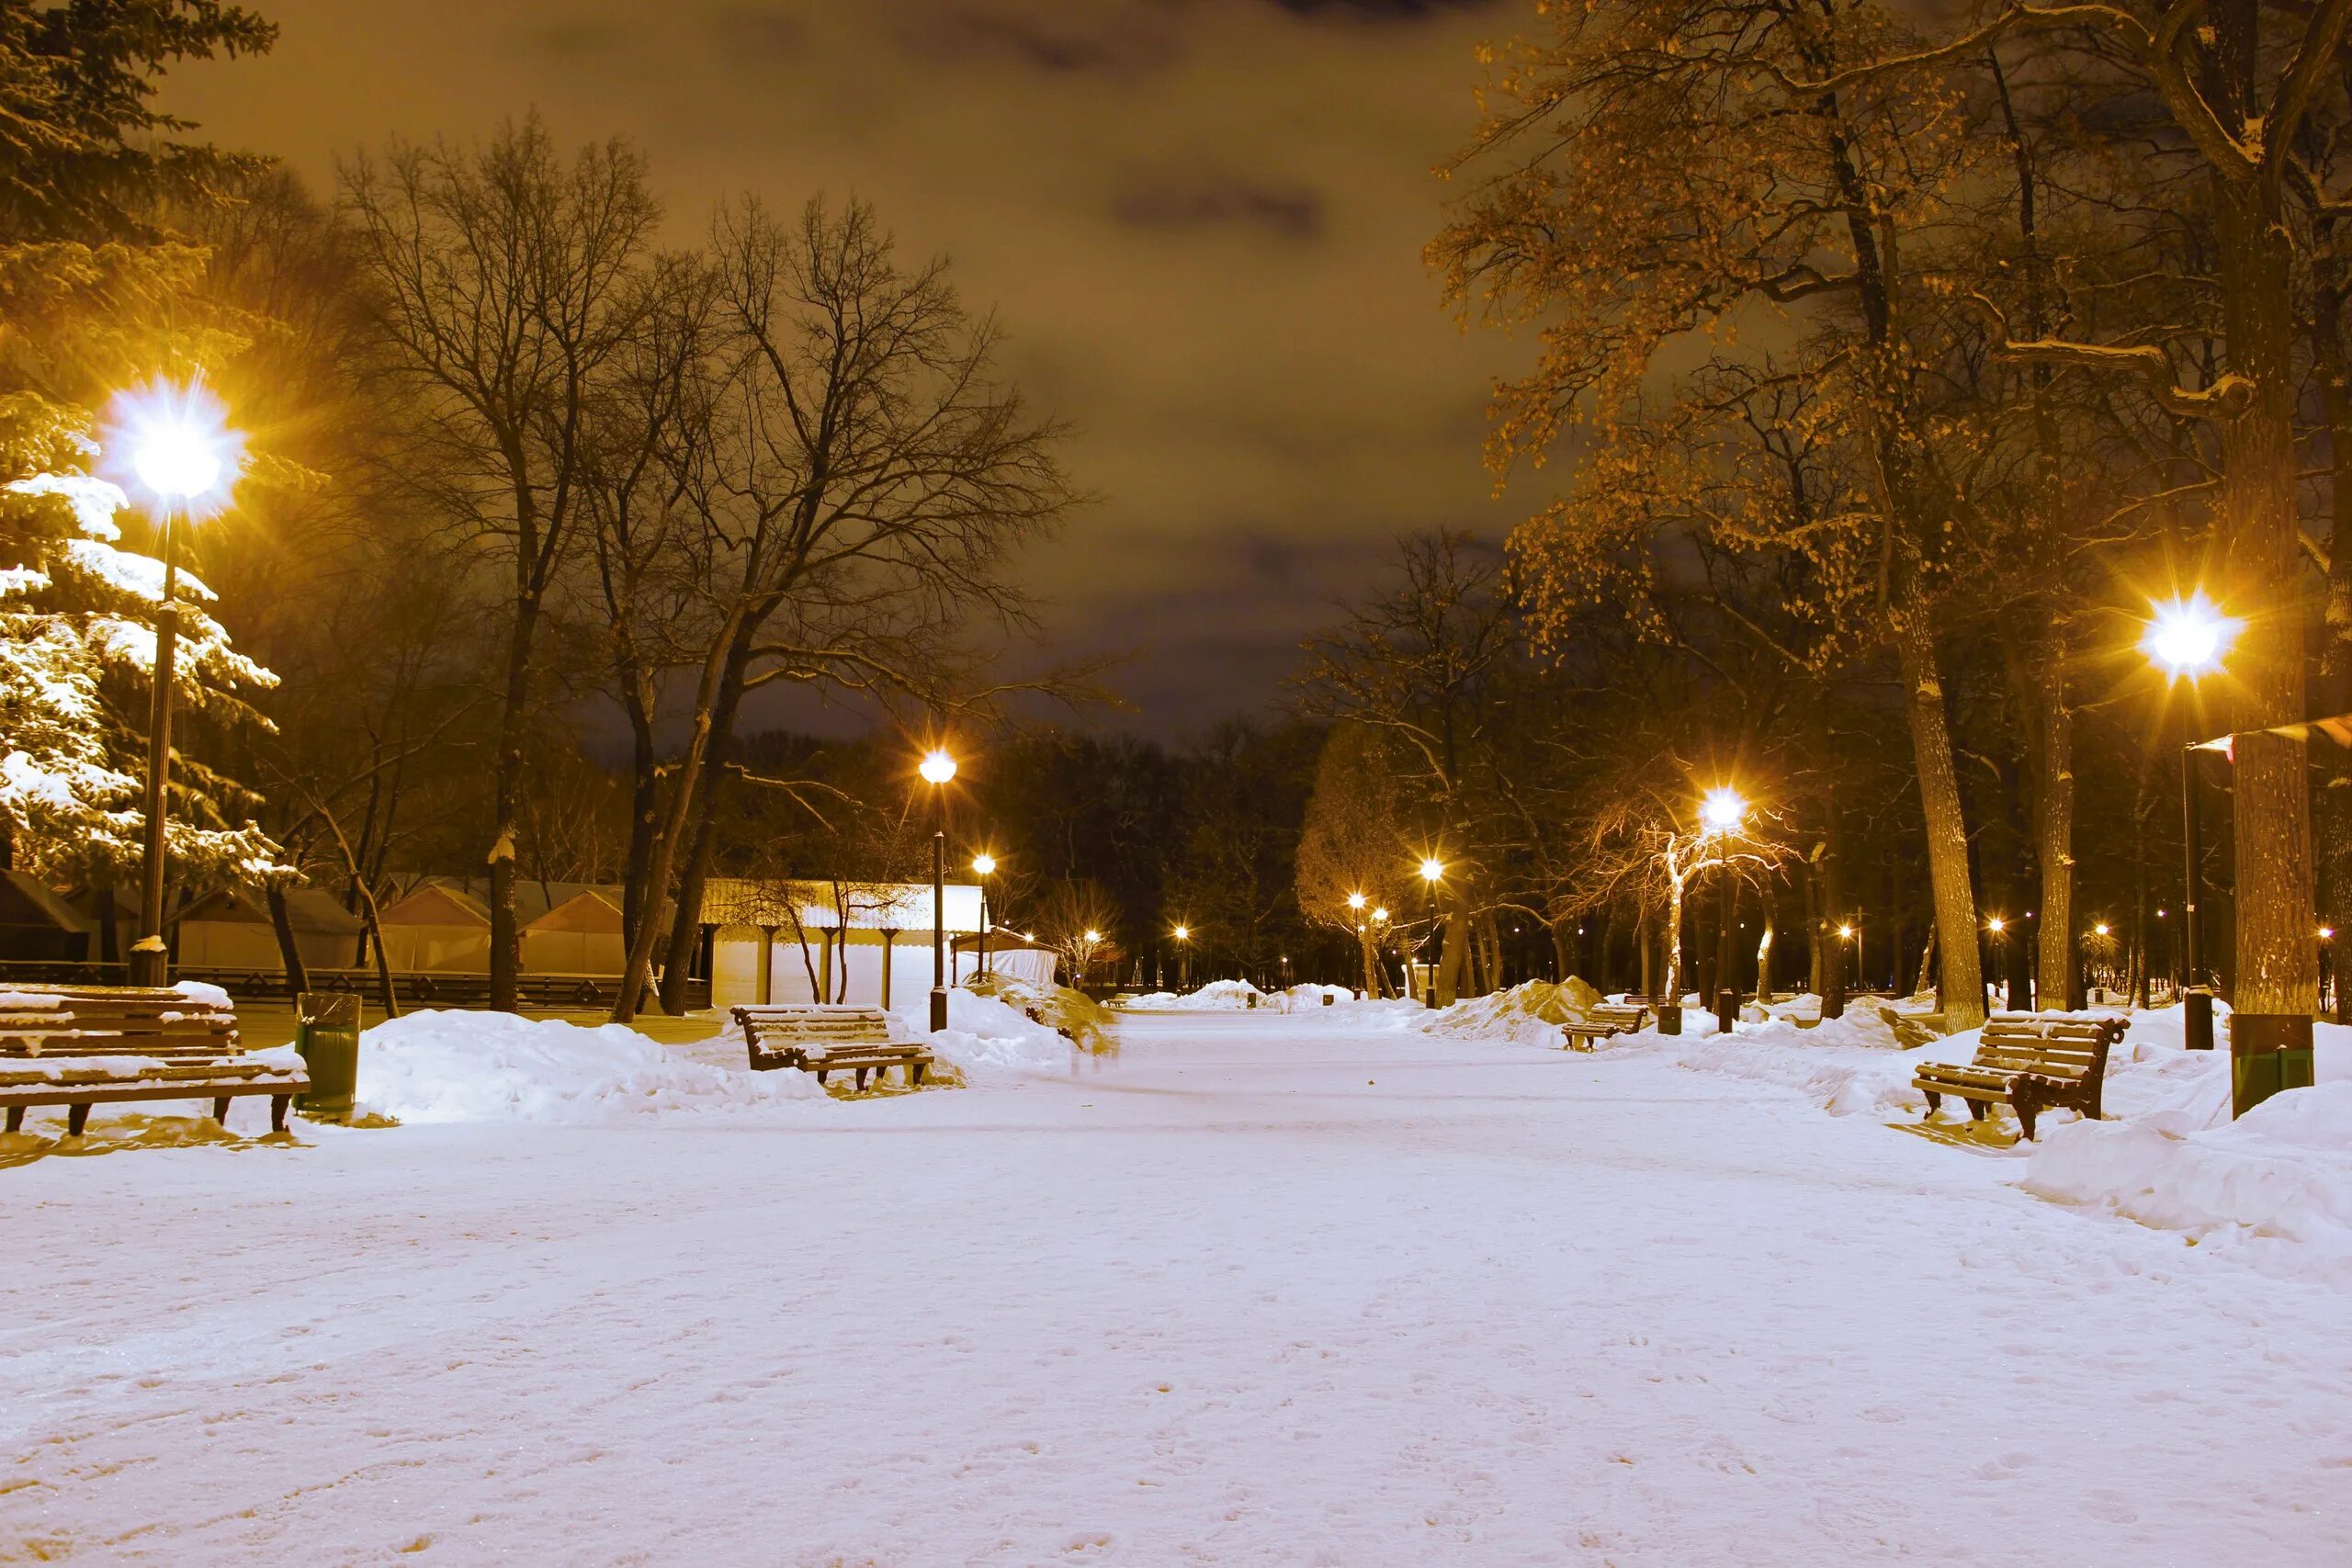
x,y
1201,221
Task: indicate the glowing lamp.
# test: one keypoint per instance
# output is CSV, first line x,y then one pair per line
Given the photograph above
x,y
1994,925
1356,900
2100,928
1381,913
984,864
1431,871
1723,811
2326,932
181,446
1093,936
937,767
1183,933
1846,932
2188,637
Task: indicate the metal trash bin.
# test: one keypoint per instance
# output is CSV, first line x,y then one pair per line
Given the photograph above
x,y
326,1032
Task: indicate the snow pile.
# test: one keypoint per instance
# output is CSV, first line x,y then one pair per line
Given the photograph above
x,y
1845,1065
1223,996
494,1066
984,1036
1087,1022
2283,1170
1529,1013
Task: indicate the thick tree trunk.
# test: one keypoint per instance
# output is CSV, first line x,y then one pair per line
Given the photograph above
x,y
1963,980
290,952
2332,818
637,901
2276,972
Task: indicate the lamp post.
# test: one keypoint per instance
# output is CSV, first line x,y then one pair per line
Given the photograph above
x,y
182,452
937,769
1184,958
1720,814
1848,932
1433,873
983,867
2188,637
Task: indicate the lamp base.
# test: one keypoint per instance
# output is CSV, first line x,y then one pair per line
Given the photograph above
x,y
938,1009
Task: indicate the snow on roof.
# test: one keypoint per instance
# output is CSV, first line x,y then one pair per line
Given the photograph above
x,y
870,905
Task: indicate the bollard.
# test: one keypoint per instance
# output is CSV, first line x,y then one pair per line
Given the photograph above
x,y
1726,1010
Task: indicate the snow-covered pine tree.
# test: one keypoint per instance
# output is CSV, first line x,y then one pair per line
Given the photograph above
x,y
77,622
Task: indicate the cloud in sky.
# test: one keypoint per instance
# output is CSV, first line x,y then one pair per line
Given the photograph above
x,y
1200,220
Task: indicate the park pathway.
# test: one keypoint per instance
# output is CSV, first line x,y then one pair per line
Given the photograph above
x,y
1263,1291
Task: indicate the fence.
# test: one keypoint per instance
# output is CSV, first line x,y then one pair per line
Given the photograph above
x,y
539,993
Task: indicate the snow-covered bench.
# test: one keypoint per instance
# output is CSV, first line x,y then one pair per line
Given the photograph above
x,y
1601,1022
84,1045
2031,1063
1913,1029
828,1038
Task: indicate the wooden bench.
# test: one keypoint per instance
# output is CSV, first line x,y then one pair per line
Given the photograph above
x,y
828,1038
84,1045
2031,1063
1603,1021
1913,1029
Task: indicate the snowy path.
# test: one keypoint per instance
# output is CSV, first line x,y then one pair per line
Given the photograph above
x,y
1265,1291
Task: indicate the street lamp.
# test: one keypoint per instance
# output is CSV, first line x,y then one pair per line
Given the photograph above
x,y
938,768
1433,873
1723,811
2188,637
187,458
1184,958
983,867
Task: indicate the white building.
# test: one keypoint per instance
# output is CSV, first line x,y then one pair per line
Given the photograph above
x,y
826,941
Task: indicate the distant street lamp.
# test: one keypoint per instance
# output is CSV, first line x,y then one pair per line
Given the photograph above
x,y
1433,873
1184,958
2188,638
938,768
983,867
185,457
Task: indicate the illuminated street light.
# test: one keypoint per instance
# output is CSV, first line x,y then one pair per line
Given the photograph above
x,y
938,768
1846,932
188,458
2188,637
1355,901
1994,925
1433,873
1723,811
2101,929
984,868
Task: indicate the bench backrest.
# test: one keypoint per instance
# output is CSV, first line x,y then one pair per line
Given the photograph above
x,y
101,1020
2057,1048
814,1025
1617,1015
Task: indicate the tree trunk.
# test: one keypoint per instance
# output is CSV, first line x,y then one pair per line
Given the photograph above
x,y
637,901
507,805
709,793
1764,948
290,952
2332,819
2276,972
1963,980
2059,971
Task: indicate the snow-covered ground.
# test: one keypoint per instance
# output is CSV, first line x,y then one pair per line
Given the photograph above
x,y
1309,1289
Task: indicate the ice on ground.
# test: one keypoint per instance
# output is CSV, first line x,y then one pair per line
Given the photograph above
x,y
496,1066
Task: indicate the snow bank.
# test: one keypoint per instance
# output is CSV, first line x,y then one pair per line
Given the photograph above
x,y
1847,1065
1529,1013
985,1036
1223,996
494,1066
2282,1170
1088,1024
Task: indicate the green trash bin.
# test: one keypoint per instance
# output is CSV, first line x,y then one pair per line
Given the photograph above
x,y
326,1032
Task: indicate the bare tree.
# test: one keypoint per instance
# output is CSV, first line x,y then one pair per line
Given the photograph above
x,y
505,282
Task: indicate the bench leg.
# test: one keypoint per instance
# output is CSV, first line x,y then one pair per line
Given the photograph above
x,y
2028,1108
220,1111
820,1076
914,1073
1935,1102
15,1118
1976,1109
278,1104
76,1118
861,1079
